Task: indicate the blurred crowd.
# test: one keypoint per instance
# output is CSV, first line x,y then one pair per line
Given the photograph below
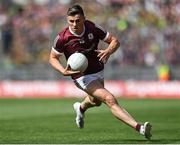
x,y
149,30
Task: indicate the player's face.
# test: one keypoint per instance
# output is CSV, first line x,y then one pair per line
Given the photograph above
x,y
76,23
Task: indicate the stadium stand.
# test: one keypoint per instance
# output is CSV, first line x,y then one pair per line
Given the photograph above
x,y
148,30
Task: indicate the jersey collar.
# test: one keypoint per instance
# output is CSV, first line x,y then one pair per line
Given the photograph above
x,y
77,34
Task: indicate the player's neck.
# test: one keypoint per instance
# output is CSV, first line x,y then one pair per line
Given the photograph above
x,y
77,34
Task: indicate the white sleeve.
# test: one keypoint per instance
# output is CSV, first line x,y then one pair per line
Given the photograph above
x,y
58,53
106,37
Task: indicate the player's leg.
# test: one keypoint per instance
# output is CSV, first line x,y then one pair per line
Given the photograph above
x,y
80,108
95,88
89,101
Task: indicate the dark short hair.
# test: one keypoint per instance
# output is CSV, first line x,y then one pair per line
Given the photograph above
x,y
74,10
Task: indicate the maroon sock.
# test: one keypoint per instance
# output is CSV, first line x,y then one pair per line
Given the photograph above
x,y
138,126
82,110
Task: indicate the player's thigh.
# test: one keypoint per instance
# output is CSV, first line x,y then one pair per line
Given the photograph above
x,y
97,90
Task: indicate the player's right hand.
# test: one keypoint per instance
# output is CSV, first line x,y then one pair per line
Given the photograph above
x,y
68,71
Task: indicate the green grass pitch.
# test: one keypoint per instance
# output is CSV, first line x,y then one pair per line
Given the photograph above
x,y
52,121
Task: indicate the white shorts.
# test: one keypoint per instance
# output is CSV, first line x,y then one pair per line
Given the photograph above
x,y
85,80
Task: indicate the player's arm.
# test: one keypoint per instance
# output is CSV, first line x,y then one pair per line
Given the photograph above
x,y
114,44
56,64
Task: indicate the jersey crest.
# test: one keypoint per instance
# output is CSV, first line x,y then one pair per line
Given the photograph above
x,y
90,36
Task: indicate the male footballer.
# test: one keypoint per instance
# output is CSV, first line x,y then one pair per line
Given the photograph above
x,y
82,35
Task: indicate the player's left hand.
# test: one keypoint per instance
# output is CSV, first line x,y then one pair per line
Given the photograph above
x,y
103,55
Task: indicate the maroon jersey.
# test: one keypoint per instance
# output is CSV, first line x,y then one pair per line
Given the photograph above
x,y
68,43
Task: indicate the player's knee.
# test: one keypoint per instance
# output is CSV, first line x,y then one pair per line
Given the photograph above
x,y
98,103
110,100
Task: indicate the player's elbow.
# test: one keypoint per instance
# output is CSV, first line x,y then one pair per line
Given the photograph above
x,y
116,42
51,60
